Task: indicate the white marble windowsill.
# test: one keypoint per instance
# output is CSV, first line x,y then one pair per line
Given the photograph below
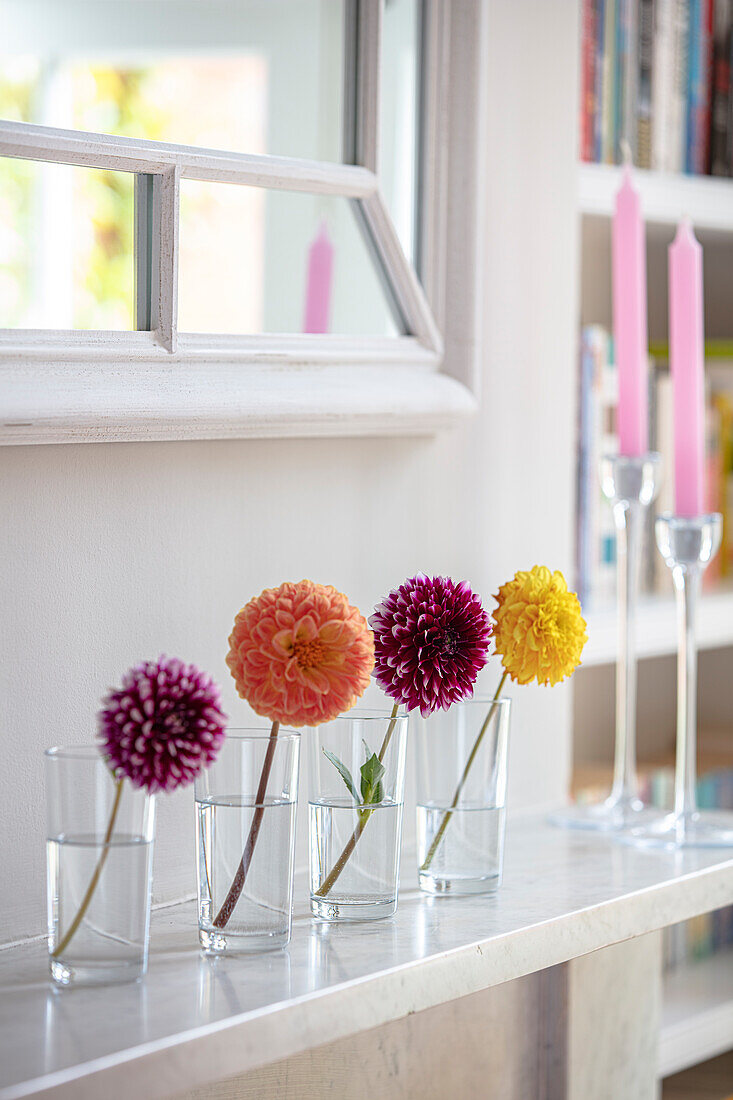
x,y
193,1020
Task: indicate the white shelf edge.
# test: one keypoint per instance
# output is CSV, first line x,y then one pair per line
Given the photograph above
x,y
656,628
328,988
697,1013
665,198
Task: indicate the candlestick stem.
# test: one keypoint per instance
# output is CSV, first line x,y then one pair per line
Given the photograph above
x,y
631,485
688,545
629,518
687,583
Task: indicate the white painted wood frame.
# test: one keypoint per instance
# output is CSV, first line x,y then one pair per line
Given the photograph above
x,y
160,384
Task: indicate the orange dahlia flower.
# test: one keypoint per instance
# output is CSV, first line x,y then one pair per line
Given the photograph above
x,y
300,654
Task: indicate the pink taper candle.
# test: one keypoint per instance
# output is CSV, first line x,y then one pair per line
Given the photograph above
x,y
318,283
687,364
629,319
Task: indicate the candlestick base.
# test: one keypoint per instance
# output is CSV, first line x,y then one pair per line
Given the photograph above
x,y
695,829
630,484
688,545
615,813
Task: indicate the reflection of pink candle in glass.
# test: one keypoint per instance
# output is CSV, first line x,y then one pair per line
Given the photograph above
x,y
687,363
629,319
318,282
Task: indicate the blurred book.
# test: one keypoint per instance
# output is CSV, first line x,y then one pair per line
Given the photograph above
x,y
596,537
656,74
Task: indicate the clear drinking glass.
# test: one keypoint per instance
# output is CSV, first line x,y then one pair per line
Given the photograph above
x,y
99,870
245,830
461,796
357,781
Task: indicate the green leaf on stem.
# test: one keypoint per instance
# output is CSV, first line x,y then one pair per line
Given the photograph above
x,y
344,773
372,790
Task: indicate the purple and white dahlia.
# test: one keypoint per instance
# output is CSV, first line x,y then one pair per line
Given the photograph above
x,y
163,726
431,640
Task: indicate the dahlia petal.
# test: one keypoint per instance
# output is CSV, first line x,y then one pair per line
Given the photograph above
x,y
331,632
316,680
293,672
282,642
305,629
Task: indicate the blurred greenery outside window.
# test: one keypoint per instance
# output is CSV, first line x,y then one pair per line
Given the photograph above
x,y
67,233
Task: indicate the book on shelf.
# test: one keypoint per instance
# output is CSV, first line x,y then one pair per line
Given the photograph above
x,y
645,47
587,81
656,74
608,82
720,132
627,68
674,140
597,436
598,398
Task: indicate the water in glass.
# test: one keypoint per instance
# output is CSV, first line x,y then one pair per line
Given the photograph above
x,y
469,856
367,886
261,918
110,943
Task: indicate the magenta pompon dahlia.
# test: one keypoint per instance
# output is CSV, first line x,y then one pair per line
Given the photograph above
x,y
431,640
163,726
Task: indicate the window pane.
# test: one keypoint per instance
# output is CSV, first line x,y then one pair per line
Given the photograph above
x,y
399,117
66,246
255,261
258,76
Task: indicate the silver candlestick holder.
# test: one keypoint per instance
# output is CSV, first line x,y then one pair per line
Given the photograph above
x,y
687,545
631,484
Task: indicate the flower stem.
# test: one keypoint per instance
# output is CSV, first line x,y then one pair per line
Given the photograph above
x,y
71,931
235,890
461,783
363,816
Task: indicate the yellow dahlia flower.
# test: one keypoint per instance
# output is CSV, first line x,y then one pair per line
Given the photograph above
x,y
538,627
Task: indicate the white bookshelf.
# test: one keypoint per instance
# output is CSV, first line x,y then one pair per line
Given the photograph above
x,y
656,627
697,1013
707,200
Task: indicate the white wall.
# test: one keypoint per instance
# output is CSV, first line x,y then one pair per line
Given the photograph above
x,y
111,553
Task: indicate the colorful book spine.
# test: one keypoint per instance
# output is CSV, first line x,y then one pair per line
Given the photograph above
x,y
621,77
705,122
644,84
585,397
662,83
724,497
693,84
658,75
729,126
588,79
719,162
608,93
600,28
677,135
596,534
698,86
714,481
662,433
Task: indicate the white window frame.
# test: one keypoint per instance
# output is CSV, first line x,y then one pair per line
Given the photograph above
x,y
78,386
